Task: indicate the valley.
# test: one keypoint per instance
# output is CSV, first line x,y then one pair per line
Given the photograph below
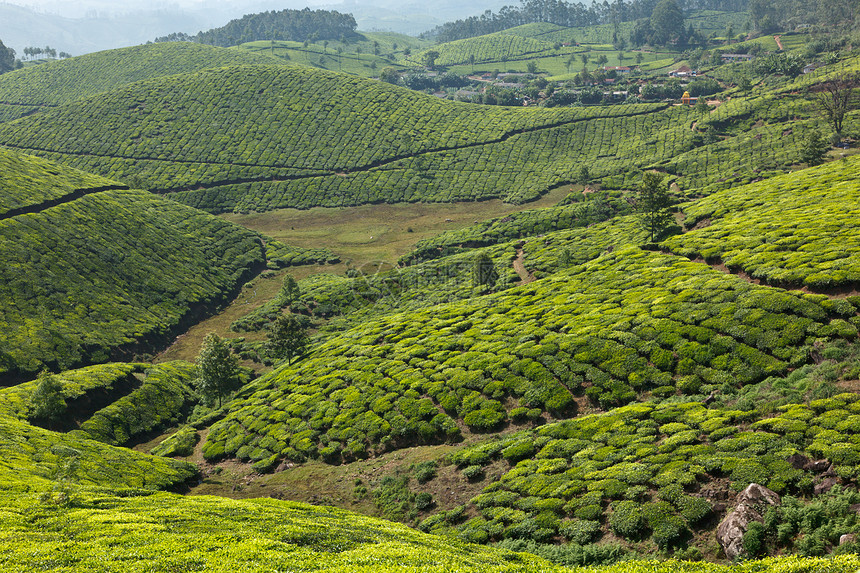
x,y
557,288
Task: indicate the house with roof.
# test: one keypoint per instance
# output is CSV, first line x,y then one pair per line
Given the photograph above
x,y
683,72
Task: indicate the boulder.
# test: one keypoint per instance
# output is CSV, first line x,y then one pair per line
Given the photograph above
x,y
798,461
750,507
847,538
825,485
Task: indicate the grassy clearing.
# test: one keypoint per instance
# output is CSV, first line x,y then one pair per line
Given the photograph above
x,y
371,234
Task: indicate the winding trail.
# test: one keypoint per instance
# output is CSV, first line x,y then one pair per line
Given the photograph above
x,y
526,276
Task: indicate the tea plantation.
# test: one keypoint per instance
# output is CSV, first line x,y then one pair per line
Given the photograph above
x,y
241,138
795,230
569,393
89,271
58,82
613,329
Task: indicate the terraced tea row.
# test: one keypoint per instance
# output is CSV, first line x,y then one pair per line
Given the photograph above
x,y
109,270
499,47
63,81
624,324
28,183
650,470
794,230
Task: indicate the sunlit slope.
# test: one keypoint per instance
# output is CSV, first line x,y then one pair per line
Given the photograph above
x,y
611,330
797,229
35,459
172,533
167,532
258,137
497,47
47,85
27,182
97,269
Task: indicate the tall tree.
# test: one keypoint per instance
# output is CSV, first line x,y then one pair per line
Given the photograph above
x,y
835,98
288,337
652,204
217,369
814,148
430,57
484,273
667,21
290,291
47,402
7,59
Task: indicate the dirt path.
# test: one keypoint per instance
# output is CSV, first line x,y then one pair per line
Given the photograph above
x,y
778,42
519,266
837,292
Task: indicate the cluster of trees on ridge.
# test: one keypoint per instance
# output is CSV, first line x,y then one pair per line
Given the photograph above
x,y
297,25
565,14
7,59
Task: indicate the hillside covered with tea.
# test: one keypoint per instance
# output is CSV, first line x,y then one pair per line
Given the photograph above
x,y
557,288
92,267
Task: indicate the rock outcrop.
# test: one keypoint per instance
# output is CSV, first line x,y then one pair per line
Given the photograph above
x,y
750,507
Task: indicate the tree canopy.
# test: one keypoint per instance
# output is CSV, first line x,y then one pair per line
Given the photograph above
x,y
217,368
295,25
7,58
652,204
667,21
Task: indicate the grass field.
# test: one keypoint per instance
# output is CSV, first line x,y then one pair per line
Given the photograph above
x,y
374,234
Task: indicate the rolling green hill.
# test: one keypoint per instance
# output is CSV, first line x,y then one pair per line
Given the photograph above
x,y
613,329
242,138
54,83
254,138
91,270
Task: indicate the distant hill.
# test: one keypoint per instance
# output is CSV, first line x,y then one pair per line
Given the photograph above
x,y
261,137
297,25
91,267
47,85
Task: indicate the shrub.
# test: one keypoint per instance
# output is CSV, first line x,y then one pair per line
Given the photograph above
x,y
424,471
473,472
753,541
627,519
579,531
519,451
589,512
667,529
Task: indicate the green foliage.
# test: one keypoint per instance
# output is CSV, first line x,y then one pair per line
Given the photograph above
x,y
181,443
653,202
516,226
33,181
33,459
814,148
498,47
484,272
217,369
62,81
47,401
402,378
288,336
127,534
791,230
512,154
279,255
280,25
159,401
753,541
106,269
